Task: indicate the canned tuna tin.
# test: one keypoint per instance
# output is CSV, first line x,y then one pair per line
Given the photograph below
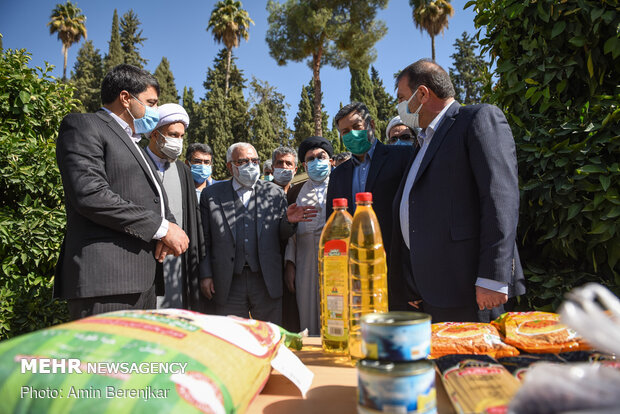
x,y
396,387
396,336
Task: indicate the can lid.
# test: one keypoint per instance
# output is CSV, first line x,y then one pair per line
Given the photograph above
x,y
363,197
340,202
396,318
398,369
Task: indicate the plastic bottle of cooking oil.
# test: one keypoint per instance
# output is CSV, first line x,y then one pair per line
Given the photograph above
x,y
334,278
367,270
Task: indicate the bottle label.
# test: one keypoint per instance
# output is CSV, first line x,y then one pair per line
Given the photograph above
x,y
336,271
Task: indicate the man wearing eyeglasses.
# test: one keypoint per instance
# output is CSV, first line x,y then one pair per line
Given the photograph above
x,y
199,158
244,220
398,133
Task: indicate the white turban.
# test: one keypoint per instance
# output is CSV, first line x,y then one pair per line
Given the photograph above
x,y
393,122
170,113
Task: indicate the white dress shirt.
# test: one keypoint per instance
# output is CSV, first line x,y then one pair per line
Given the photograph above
x,y
244,193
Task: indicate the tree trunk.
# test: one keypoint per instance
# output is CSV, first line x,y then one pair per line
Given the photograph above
x,y
433,46
65,52
317,113
229,55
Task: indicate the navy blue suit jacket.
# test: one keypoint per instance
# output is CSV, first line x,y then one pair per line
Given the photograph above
x,y
463,212
388,165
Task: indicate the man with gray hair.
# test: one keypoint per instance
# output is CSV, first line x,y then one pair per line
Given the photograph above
x,y
284,162
244,220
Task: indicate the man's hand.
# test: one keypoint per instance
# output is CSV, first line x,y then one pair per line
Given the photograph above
x,y
289,276
296,214
161,251
489,299
206,287
175,239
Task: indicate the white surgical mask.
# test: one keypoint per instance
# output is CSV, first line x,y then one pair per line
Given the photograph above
x,y
171,147
247,174
282,176
412,120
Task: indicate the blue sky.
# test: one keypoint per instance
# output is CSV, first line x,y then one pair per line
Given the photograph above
x,y
177,30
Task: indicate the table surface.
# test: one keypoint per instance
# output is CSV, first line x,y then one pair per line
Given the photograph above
x,y
333,390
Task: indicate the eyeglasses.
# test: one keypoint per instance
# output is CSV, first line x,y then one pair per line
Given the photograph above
x,y
198,161
406,136
243,161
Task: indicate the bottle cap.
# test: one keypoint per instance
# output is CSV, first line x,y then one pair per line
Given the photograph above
x,y
340,202
359,197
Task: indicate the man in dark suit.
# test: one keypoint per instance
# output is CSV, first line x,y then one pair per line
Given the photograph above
x,y
373,167
454,252
117,218
244,221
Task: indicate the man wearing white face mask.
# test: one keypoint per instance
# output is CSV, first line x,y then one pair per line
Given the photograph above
x,y
244,220
284,163
301,271
181,272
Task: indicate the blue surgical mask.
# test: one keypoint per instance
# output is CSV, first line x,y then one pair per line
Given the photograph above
x,y
148,122
247,174
200,172
268,177
357,141
318,169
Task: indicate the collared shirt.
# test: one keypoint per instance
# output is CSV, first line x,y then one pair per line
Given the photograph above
x,y
424,139
244,193
162,164
361,169
163,227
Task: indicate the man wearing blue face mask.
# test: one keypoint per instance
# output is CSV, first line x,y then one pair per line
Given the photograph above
x,y
118,218
374,167
301,271
397,133
199,159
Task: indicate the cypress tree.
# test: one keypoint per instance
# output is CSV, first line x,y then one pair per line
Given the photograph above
x,y
190,107
362,89
115,49
86,76
304,120
167,89
131,39
468,72
385,103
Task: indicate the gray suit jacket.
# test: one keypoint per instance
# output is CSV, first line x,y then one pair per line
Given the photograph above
x,y
113,210
217,208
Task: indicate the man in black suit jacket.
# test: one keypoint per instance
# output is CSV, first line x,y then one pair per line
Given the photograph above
x,y
454,252
373,167
117,220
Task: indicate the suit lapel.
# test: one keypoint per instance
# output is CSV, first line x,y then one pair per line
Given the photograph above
x,y
376,163
438,137
260,215
227,203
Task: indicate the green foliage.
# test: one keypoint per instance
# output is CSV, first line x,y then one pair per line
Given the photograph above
x,y
131,39
431,16
32,214
268,128
167,89
362,89
86,77
115,54
469,74
335,32
558,65
385,103
68,22
304,120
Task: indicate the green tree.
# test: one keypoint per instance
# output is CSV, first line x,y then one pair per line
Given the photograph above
x,y
32,214
86,76
115,54
385,103
189,104
557,66
68,22
468,73
304,120
362,89
131,39
229,23
168,90
334,33
431,16
268,128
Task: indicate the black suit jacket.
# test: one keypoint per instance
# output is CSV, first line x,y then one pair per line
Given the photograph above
x,y
463,212
387,167
113,210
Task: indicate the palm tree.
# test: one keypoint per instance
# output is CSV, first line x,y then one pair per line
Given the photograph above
x,y
68,21
229,23
431,16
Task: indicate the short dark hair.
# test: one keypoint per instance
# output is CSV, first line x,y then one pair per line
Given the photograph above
x,y
197,147
126,78
358,107
428,73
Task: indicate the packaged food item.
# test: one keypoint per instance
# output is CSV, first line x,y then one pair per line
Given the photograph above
x,y
538,332
167,360
520,365
468,338
396,336
476,383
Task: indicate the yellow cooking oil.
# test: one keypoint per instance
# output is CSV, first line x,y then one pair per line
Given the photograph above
x,y
367,270
334,279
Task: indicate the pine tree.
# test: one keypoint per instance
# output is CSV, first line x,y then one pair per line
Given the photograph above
x,y
167,89
385,103
268,127
86,76
304,120
115,49
468,74
131,39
